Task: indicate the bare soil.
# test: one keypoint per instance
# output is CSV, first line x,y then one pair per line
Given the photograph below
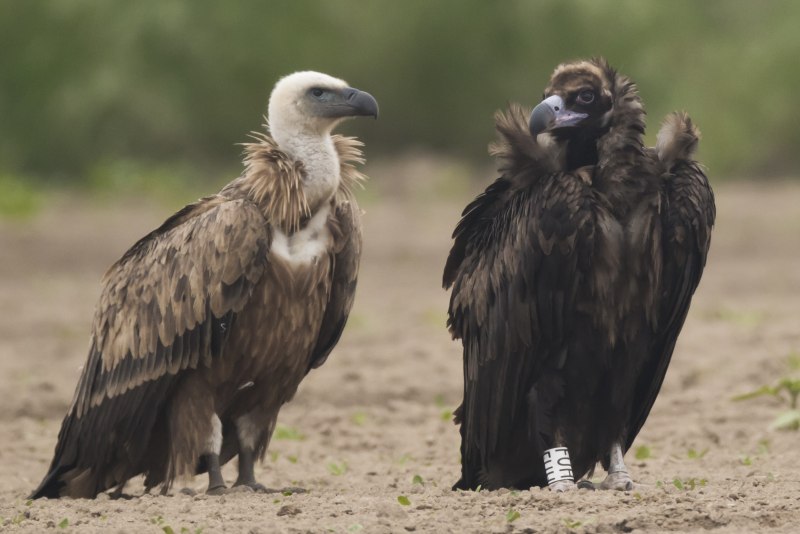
x,y
372,427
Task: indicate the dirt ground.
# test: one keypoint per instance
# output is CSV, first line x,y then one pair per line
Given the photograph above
x,y
371,428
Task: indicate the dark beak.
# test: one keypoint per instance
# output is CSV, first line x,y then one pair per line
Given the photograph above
x,y
551,114
360,103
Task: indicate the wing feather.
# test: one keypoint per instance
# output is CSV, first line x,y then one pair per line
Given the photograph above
x,y
166,306
514,270
345,227
687,221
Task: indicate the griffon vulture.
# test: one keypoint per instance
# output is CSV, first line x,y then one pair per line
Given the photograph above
x,y
206,326
571,278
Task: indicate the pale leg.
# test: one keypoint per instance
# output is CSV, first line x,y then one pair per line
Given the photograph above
x,y
216,484
618,477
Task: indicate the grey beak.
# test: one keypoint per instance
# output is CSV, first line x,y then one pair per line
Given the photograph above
x,y
360,103
551,114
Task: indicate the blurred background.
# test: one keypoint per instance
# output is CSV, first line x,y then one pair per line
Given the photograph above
x,y
114,114
152,96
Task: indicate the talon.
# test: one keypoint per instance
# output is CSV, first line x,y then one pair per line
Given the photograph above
x,y
217,490
561,486
618,480
254,486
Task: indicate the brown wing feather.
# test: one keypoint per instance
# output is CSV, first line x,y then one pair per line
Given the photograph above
x,y
687,219
166,306
516,270
345,227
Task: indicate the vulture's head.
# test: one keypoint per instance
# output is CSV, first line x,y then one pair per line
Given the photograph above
x,y
312,103
583,100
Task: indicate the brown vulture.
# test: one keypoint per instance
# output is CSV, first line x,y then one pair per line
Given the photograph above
x,y
206,326
571,278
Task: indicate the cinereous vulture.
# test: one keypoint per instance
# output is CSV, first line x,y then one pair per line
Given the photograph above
x,y
206,326
571,278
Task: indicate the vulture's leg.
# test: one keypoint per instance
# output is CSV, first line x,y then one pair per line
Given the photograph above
x,y
558,468
618,477
195,432
250,434
216,484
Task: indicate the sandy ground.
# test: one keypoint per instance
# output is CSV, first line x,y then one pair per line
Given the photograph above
x,y
371,428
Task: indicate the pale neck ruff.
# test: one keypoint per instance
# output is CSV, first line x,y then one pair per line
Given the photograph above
x,y
320,160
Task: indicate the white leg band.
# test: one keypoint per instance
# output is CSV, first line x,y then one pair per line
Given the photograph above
x,y
557,465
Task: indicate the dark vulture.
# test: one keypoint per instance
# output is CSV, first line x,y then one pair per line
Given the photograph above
x,y
571,278
206,326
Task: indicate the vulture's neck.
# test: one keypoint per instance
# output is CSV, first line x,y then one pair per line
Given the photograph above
x,y
581,151
320,160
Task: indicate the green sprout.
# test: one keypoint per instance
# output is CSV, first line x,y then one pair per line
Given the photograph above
x,y
789,419
288,433
643,452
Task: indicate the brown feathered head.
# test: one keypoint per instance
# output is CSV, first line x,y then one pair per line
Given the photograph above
x,y
582,101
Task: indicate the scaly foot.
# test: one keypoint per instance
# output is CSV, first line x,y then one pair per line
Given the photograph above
x,y
217,490
618,480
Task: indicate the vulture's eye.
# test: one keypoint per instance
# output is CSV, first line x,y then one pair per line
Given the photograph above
x,y
586,97
317,92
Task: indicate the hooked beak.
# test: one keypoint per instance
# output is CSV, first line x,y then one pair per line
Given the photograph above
x,y
359,103
551,114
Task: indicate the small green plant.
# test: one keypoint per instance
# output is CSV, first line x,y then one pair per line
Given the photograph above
x,y
746,460
643,452
292,458
570,523
446,415
337,468
512,515
417,480
359,418
288,433
693,454
64,523
787,389
403,459
688,484
403,500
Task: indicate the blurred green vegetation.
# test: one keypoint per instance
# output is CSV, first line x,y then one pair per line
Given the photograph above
x,y
98,93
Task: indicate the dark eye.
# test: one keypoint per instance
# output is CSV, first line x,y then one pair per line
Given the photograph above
x,y
317,92
586,97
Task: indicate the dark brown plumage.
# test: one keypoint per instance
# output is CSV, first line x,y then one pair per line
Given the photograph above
x,y
207,325
571,278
